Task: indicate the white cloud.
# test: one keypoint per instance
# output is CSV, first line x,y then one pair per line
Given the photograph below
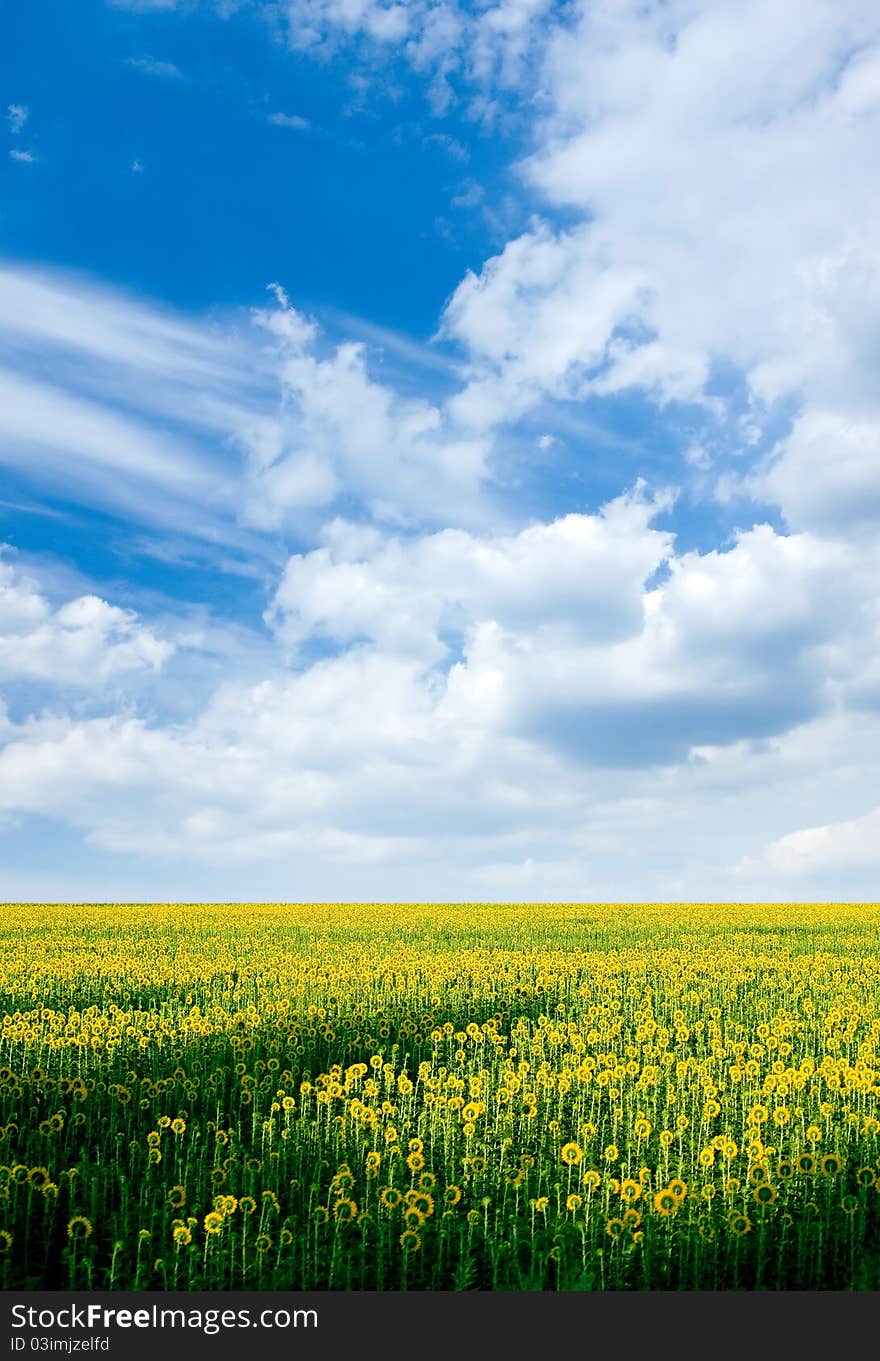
x,y
581,576
150,66
582,702
485,48
691,137
836,846
290,120
26,157
205,426
17,114
569,708
338,428
825,474
79,644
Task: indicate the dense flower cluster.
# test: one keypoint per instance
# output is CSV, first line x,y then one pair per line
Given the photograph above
x,y
375,1096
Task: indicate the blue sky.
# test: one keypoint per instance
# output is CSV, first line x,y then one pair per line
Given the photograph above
x,y
439,450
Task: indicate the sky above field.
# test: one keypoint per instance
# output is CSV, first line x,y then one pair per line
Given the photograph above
x,y
439,450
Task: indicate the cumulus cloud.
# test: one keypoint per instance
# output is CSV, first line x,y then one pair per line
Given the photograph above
x,y
836,846
579,577
690,137
563,706
493,694
79,644
825,474
338,429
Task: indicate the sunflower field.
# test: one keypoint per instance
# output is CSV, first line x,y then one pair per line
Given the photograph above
x,y
441,1097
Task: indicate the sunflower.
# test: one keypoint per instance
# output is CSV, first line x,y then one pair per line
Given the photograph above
x,y
410,1241
373,1162
343,1180
739,1224
178,1126
630,1190
866,1176
415,1161
5,1241
213,1222
79,1227
247,1204
182,1236
571,1154
177,1197
391,1197
642,1128
452,1194
805,1163
262,1243
830,1164
666,1202
574,1202
614,1227
345,1209
764,1193
592,1179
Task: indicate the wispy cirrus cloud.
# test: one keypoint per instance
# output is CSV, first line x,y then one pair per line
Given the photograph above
x,y
233,427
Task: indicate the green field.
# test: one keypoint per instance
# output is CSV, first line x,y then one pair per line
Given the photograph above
x,y
425,1096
